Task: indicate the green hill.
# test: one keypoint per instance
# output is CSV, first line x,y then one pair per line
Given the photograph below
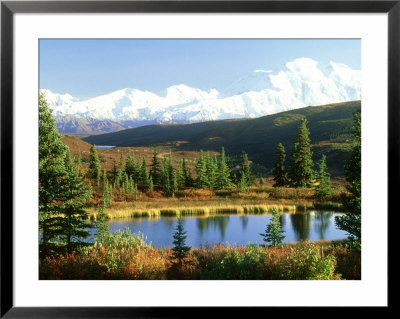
x,y
329,125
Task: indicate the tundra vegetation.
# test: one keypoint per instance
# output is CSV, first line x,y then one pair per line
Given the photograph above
x,y
82,189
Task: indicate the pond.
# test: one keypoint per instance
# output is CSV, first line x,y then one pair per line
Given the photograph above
x,y
233,229
104,147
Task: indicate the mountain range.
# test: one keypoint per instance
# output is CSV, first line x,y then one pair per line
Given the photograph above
x,y
301,83
330,129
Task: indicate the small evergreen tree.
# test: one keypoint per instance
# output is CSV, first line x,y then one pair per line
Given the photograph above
x,y
280,173
300,170
245,169
242,182
114,171
273,232
94,164
180,249
324,188
262,182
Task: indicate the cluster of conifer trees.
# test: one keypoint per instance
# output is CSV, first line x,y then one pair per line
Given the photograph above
x,y
215,172
301,172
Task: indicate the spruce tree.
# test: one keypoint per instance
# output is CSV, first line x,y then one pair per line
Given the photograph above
x,y
242,182
201,171
79,165
245,168
51,173
211,170
273,232
114,171
73,220
165,180
280,173
300,171
324,188
94,164
155,168
130,165
351,221
180,249
189,180
181,173
223,175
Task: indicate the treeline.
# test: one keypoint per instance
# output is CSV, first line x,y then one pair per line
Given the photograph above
x,y
215,172
301,172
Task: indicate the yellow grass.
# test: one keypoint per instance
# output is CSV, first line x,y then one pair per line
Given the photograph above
x,y
124,212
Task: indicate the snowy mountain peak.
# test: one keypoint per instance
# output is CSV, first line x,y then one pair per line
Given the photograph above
x,y
301,83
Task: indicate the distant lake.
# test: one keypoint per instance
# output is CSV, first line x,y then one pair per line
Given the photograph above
x,y
233,229
104,147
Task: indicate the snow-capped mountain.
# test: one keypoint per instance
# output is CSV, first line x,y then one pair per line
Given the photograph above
x,y
301,83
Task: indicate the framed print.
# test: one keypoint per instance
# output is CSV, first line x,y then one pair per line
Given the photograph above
x,y
163,155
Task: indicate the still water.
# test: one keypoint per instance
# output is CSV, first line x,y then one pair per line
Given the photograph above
x,y
104,147
232,229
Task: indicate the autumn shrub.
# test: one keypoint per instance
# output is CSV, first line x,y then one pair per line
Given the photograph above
x,y
303,261
71,267
348,262
221,263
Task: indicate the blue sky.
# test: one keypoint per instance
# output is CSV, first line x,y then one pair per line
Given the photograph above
x,y
87,68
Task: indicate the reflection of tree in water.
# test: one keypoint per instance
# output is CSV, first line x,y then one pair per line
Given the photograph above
x,y
217,221
245,221
322,221
301,225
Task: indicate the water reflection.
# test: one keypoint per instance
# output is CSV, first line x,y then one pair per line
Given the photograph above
x,y
245,221
321,222
301,225
233,229
219,222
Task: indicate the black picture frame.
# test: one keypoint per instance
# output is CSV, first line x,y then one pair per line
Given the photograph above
x,y
9,8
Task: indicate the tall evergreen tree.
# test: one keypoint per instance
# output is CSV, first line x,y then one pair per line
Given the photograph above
x,y
351,221
181,173
130,165
280,173
73,219
245,168
223,176
155,168
301,173
211,170
94,164
114,171
324,188
201,171
51,173
165,180
62,194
